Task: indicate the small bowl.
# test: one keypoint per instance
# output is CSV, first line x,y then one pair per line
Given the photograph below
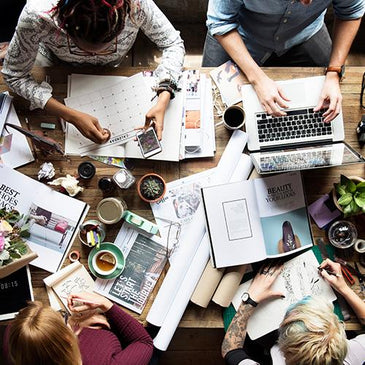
x,y
100,230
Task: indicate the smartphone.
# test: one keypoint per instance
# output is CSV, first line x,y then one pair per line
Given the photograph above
x,y
148,142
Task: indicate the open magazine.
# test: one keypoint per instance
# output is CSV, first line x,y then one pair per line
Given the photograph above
x,y
145,259
251,220
53,217
298,279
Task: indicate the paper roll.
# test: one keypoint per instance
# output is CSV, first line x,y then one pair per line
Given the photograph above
x,y
207,285
228,286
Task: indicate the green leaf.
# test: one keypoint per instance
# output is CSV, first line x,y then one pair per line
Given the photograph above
x,y
361,187
340,189
351,186
347,210
360,199
345,199
354,207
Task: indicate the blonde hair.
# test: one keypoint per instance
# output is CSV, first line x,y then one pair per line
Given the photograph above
x,y
39,336
311,334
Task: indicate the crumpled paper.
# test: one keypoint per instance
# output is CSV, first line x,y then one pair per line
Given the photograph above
x,y
69,183
46,171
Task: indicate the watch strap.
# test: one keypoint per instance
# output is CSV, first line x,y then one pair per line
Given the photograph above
x,y
340,70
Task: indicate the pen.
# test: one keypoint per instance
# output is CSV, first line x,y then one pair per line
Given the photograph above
x,y
31,141
329,272
80,300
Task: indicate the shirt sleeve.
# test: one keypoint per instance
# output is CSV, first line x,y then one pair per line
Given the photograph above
x,y
21,56
356,350
349,9
223,16
159,30
238,357
138,342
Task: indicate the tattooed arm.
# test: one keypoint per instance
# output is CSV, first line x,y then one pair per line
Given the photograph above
x,y
259,290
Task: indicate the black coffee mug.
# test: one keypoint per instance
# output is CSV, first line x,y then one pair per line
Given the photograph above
x,y
234,117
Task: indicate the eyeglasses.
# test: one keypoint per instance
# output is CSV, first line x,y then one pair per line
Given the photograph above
x,y
362,98
173,235
105,52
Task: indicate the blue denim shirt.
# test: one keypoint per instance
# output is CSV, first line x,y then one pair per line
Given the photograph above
x,y
268,26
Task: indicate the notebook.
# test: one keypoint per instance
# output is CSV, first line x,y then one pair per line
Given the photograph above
x,y
300,140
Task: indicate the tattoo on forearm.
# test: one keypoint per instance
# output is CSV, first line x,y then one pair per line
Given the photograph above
x,y
236,333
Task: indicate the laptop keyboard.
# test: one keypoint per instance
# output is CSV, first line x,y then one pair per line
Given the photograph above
x,y
297,124
296,161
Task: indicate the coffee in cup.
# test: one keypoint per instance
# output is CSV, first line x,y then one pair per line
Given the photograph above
x,y
234,117
105,262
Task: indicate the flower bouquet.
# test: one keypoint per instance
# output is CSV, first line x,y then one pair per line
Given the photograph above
x,y
14,251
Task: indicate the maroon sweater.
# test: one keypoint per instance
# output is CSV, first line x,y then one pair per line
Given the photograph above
x,y
127,342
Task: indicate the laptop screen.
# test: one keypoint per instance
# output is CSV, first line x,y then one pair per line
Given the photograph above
x,y
302,158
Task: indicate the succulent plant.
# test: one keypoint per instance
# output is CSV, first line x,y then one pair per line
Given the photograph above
x,y
152,187
351,196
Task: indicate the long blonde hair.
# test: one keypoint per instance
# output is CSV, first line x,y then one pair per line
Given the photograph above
x,y
311,334
39,336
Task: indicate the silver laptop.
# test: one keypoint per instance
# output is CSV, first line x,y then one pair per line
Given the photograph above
x,y
300,140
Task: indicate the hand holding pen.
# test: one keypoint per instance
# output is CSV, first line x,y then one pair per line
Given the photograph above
x,y
331,272
82,302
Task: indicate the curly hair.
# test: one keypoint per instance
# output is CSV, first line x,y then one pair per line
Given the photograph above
x,y
311,334
94,21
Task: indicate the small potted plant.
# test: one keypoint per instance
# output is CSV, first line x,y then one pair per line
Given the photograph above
x,y
349,195
151,188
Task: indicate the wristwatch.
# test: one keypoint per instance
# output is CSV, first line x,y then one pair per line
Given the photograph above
x,y
248,300
339,69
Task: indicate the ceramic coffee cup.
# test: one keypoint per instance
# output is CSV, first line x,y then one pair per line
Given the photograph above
x,y
234,117
111,210
105,262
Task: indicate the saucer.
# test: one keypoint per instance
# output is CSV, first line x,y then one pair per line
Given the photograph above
x,y
117,252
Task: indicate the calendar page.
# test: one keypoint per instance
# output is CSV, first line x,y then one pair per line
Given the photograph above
x,y
120,108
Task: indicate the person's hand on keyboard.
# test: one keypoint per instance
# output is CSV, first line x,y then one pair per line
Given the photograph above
x,y
330,98
271,96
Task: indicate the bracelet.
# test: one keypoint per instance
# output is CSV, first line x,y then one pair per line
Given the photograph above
x,y
166,85
169,89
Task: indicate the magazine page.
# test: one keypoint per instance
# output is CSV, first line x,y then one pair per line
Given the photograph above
x,y
298,279
284,218
145,258
233,224
53,217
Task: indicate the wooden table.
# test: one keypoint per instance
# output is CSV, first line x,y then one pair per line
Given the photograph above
x,y
317,182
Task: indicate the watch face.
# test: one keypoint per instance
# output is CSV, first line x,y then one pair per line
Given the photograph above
x,y
245,297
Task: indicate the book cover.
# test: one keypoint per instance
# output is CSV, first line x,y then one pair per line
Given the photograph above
x,y
15,291
53,217
251,220
145,259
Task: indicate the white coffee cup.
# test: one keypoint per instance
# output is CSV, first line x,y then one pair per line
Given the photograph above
x,y
104,262
234,117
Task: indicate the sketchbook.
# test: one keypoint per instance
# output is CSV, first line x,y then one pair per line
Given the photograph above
x,y
120,104
72,279
53,217
146,257
249,221
15,291
298,279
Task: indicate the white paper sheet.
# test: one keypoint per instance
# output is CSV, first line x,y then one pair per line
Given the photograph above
x,y
182,277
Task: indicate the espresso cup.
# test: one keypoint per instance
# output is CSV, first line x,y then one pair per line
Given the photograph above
x,y
105,262
234,117
111,210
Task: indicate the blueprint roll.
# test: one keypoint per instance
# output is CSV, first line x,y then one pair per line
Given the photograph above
x,y
207,285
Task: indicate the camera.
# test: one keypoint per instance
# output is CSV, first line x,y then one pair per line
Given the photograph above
x,y
360,130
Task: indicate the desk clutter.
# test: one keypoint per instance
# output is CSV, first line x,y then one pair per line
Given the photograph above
x,y
211,227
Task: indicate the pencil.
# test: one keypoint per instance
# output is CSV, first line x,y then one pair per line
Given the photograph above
x,y
329,272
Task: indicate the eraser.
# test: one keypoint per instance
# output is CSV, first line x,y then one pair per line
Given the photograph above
x,y
48,125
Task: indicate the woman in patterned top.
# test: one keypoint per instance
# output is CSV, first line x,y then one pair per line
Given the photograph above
x,y
89,32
